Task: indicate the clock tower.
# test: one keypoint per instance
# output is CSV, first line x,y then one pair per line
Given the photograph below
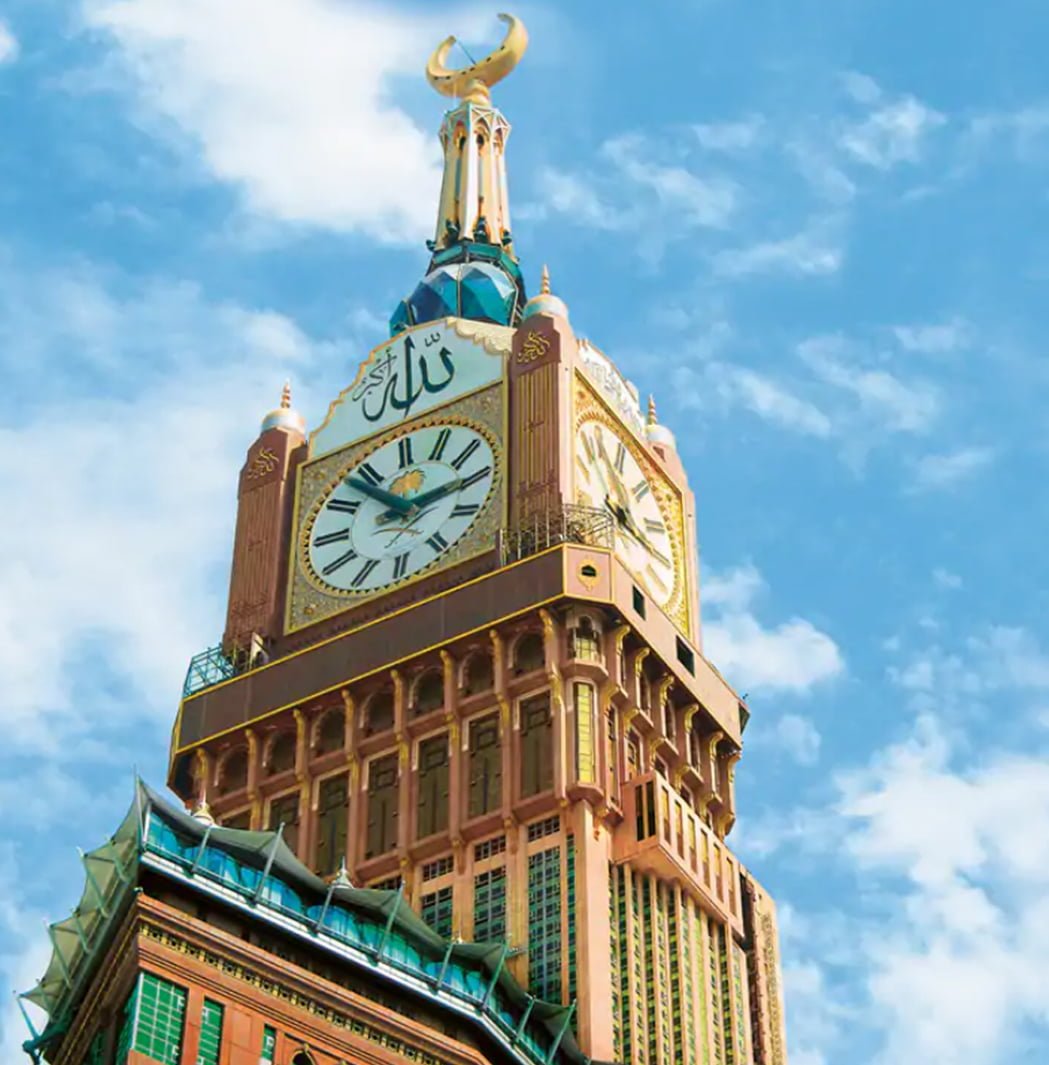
x,y
462,680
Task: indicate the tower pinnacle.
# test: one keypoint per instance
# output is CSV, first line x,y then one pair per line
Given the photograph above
x,y
473,271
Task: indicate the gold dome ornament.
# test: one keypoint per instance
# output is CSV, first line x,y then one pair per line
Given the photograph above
x,y
473,82
284,417
656,433
202,813
545,302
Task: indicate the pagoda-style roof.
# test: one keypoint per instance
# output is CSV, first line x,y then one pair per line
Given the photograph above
x,y
257,874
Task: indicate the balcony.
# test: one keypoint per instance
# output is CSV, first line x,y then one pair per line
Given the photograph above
x,y
570,524
661,834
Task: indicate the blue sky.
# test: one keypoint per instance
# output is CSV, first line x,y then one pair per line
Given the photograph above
x,y
817,232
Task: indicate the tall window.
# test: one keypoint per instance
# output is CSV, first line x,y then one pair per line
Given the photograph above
x,y
210,1033
285,811
233,772
584,717
544,924
382,806
429,692
379,713
611,754
490,906
432,805
269,1046
479,674
152,1021
486,766
537,764
437,911
331,824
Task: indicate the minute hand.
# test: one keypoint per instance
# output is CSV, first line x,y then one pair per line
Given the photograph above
x,y
394,502
437,493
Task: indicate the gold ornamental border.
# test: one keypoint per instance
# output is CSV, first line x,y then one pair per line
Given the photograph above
x,y
590,407
309,598
494,339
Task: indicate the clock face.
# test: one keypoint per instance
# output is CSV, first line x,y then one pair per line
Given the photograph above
x,y
608,476
400,509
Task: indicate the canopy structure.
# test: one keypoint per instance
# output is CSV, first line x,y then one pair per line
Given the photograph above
x,y
258,874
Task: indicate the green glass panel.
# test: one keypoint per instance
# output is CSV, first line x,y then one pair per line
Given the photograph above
x,y
544,924
210,1033
437,911
490,906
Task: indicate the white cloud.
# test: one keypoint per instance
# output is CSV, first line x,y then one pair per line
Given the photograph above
x,y
1024,130
577,196
769,400
946,470
945,579
933,338
895,133
8,44
290,102
895,404
792,656
693,201
812,252
730,137
799,738
861,87
120,507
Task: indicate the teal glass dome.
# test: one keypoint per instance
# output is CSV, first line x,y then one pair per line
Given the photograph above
x,y
481,291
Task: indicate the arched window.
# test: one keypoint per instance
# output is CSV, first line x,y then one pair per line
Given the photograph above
x,y
331,733
378,716
302,1058
233,772
479,675
429,692
528,653
282,753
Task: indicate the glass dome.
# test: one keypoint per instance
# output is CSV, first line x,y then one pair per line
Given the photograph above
x,y
477,290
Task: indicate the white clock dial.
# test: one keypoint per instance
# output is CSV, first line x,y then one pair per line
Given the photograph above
x,y
401,509
609,476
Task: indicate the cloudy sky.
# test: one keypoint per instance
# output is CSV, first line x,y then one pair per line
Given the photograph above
x,y
816,231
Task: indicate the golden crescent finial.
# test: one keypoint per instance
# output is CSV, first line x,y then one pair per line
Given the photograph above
x,y
472,83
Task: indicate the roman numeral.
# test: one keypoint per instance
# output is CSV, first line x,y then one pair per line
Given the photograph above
x,y
474,477
404,452
344,506
338,563
641,489
438,543
331,538
588,447
466,452
620,459
655,527
650,570
367,472
439,445
583,468
464,510
400,566
364,571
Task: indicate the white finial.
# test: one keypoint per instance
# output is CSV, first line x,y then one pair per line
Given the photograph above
x,y
652,420
544,281
202,812
285,396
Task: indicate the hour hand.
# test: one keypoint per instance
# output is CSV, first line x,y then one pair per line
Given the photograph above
x,y
394,502
424,499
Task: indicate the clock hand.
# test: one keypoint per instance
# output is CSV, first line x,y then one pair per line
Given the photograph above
x,y
396,503
424,499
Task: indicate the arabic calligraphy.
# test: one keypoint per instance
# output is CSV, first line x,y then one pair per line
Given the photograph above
x,y
535,346
401,374
264,462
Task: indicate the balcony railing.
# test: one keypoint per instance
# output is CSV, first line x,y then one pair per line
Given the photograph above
x,y
212,667
569,524
661,832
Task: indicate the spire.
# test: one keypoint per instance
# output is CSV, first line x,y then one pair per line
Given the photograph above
x,y
473,271
474,204
652,419
546,302
284,416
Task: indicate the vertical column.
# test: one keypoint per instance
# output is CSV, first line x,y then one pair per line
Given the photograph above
x,y
354,815
593,934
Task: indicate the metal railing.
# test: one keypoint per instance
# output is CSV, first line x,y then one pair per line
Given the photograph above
x,y
569,524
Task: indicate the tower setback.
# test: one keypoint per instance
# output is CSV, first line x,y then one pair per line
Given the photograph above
x,y
461,776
